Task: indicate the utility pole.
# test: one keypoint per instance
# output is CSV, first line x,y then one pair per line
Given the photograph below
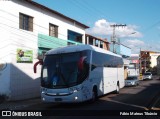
x,y
140,62
113,38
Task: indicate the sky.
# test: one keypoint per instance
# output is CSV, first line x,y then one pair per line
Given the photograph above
x,y
142,19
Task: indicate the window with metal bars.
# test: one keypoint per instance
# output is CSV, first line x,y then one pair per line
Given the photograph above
x,y
25,22
53,30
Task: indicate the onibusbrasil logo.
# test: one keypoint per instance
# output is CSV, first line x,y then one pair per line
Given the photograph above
x,y
17,113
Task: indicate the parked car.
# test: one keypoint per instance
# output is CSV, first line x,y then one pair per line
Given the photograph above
x,y
147,75
132,81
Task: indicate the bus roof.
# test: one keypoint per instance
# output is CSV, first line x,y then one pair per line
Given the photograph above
x,y
76,48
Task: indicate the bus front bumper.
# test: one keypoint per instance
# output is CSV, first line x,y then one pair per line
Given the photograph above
x,y
71,98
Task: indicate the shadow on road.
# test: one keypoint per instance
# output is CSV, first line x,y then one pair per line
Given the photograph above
x,y
108,105
126,100
142,100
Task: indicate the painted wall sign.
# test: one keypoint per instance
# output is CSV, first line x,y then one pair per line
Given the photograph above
x,y
24,56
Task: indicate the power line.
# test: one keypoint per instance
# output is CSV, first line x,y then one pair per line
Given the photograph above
x,y
86,8
98,11
34,35
25,38
90,7
80,8
150,27
29,21
94,8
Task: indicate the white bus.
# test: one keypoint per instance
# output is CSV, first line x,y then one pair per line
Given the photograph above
x,y
80,73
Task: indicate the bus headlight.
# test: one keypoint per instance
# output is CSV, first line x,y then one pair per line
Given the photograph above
x,y
43,90
73,89
43,99
76,98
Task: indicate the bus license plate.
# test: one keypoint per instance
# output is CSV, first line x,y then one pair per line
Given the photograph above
x,y
58,99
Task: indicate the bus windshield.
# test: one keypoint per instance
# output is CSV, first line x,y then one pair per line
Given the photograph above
x,y
64,70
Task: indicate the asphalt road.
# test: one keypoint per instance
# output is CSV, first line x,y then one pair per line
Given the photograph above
x,y
138,98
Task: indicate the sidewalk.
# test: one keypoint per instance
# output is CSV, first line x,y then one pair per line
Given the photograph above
x,y
15,105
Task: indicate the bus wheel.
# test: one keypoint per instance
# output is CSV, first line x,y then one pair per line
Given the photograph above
x,y
117,88
94,95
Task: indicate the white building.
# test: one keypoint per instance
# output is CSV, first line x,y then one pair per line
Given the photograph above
x,y
158,65
153,59
26,29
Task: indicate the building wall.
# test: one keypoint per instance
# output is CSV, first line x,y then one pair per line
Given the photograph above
x,y
148,60
121,49
18,80
125,73
5,61
91,40
42,18
153,59
145,61
158,65
106,46
21,82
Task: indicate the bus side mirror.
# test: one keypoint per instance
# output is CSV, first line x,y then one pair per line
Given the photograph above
x,y
35,65
81,63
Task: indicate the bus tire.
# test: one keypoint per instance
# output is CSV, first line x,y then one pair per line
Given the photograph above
x,y
94,94
117,88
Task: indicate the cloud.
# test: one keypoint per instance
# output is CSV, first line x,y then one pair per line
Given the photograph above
x,y
102,28
136,44
129,35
